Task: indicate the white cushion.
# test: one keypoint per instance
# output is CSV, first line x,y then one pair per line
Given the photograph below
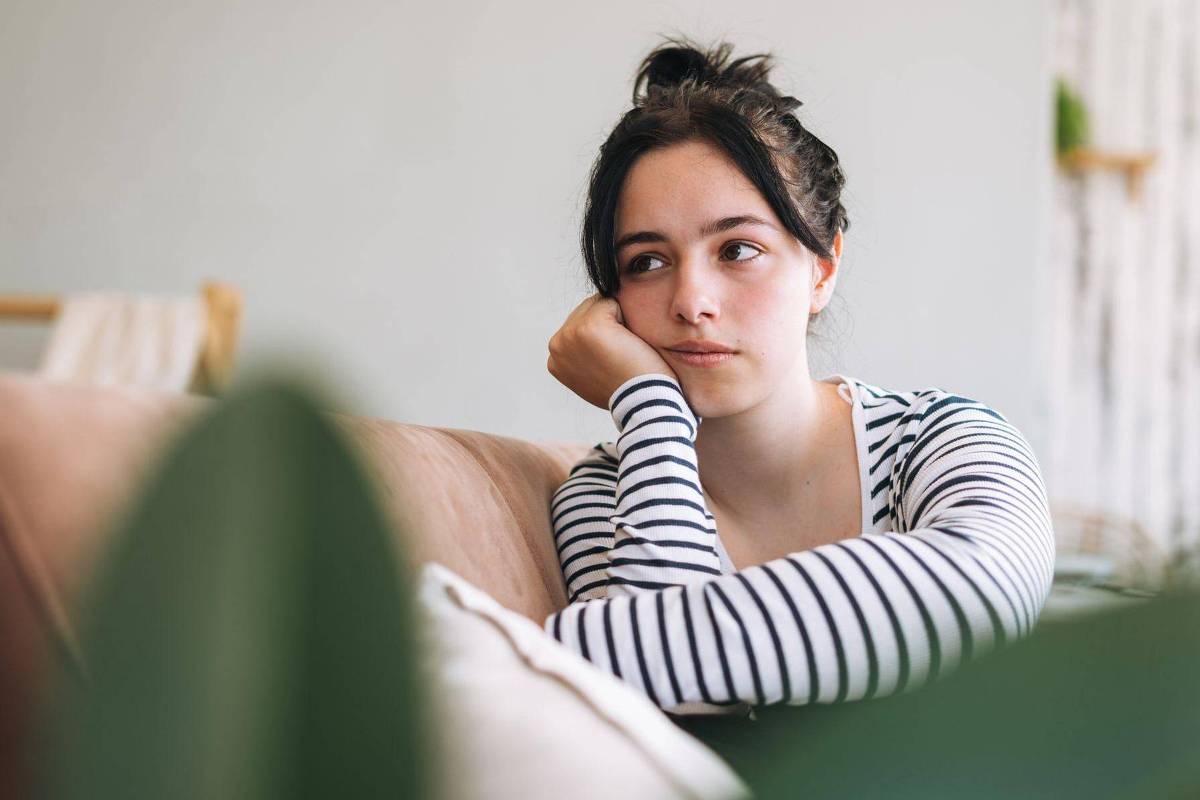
x,y
522,716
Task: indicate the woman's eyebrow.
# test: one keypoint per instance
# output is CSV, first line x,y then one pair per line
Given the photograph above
x,y
708,229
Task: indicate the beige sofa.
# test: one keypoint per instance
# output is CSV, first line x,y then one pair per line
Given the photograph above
x,y
71,455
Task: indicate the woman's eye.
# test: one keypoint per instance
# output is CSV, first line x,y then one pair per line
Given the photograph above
x,y
754,251
638,264
642,263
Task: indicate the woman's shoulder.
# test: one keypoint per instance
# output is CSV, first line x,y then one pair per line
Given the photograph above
x,y
940,423
919,401
918,412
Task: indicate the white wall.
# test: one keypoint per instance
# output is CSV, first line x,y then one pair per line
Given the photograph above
x,y
397,188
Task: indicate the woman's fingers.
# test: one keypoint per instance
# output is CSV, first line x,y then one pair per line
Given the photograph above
x,y
594,351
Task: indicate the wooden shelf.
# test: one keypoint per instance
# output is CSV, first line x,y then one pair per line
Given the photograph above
x,y
28,306
1134,165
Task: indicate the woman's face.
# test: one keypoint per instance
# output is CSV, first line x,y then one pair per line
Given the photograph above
x,y
744,284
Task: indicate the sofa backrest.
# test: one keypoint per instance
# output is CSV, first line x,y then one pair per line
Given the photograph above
x,y
71,456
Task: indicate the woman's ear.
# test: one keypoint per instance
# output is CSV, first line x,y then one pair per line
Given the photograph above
x,y
825,271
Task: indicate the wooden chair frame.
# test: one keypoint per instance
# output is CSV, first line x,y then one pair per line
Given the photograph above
x,y
223,302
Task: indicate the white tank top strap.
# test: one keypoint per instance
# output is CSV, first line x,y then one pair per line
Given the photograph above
x,y
845,389
723,556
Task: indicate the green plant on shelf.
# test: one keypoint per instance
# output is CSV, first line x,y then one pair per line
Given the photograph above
x,y
1071,119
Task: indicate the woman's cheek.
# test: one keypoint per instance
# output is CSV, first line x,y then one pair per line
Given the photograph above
x,y
636,312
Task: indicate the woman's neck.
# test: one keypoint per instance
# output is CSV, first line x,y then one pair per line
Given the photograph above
x,y
770,458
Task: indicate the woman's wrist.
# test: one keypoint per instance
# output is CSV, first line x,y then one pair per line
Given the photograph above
x,y
627,402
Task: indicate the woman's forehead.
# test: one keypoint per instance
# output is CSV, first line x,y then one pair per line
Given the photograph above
x,y
691,163
690,183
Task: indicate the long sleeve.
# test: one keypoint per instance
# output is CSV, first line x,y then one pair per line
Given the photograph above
x,y
664,534
967,569
632,516
581,513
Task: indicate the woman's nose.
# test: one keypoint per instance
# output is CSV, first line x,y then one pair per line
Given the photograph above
x,y
695,293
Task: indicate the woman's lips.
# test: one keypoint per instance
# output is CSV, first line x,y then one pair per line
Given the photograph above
x,y
701,359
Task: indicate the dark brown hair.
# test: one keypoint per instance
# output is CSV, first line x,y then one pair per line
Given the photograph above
x,y
692,94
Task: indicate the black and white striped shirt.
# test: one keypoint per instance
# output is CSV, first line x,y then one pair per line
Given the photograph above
x,y
956,558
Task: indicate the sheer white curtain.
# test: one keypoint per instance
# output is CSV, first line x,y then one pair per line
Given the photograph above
x,y
1125,344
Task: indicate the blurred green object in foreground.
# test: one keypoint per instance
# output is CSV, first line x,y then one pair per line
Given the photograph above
x,y
1105,705
249,634
1071,119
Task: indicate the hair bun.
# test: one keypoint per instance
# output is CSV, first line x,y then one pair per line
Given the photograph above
x,y
671,66
680,60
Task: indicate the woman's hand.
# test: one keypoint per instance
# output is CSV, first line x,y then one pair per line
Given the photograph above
x,y
593,353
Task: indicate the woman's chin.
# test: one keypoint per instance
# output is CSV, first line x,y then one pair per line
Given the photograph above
x,y
708,400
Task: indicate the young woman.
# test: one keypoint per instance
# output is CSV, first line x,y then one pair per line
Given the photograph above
x,y
755,535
